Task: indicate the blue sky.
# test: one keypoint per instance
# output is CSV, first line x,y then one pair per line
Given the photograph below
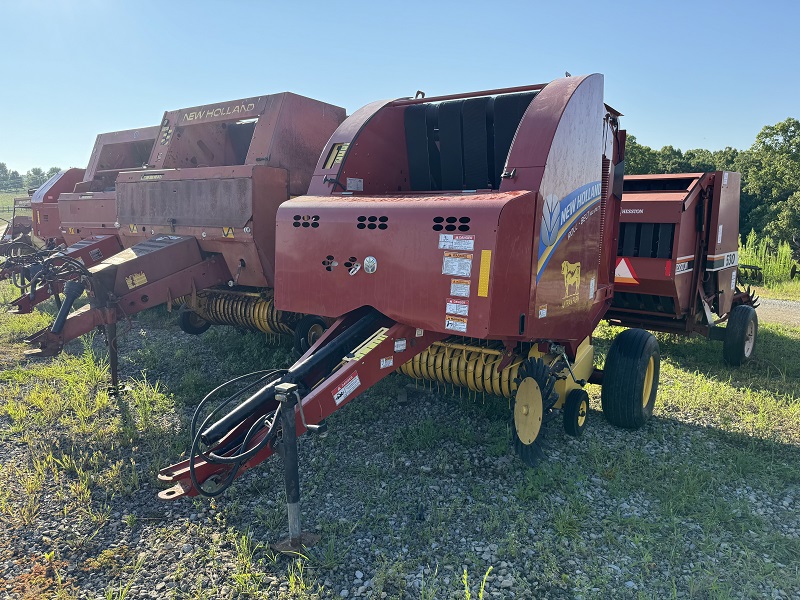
x,y
690,74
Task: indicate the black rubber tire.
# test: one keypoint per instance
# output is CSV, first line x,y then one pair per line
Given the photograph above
x,y
532,454
302,331
735,348
192,323
576,406
623,390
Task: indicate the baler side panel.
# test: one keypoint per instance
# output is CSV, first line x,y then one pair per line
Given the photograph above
x,y
567,218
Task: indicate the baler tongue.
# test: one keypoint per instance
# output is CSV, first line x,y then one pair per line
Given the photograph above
x,y
357,351
154,272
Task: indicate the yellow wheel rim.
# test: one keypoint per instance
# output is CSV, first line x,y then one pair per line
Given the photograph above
x,y
648,381
584,408
528,411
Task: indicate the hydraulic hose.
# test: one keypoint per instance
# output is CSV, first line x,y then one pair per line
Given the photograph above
x,y
336,348
72,291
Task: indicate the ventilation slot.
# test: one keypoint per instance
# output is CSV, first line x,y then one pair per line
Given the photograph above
x,y
646,240
372,222
451,223
306,221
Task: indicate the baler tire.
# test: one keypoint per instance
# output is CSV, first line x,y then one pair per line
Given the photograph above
x,y
192,323
533,368
630,379
576,412
308,327
739,343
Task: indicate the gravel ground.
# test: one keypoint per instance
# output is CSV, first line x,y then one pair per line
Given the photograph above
x,y
785,312
410,488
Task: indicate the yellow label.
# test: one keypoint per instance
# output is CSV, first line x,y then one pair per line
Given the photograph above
x,y
71,230
135,280
336,155
132,228
572,278
227,232
483,278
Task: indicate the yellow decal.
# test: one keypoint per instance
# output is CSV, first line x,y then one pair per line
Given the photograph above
x,y
572,281
135,280
483,278
71,230
227,232
132,228
336,155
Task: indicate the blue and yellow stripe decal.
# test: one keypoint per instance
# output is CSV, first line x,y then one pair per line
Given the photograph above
x,y
563,215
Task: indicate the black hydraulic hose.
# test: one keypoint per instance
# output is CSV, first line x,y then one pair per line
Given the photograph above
x,y
72,291
336,348
238,459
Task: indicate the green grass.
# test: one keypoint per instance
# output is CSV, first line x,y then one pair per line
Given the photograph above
x,y
783,290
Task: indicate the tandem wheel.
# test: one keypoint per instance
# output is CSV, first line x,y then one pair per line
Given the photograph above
x,y
192,323
306,332
630,379
576,412
740,335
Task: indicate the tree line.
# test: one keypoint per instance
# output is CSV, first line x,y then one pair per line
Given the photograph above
x,y
12,181
770,171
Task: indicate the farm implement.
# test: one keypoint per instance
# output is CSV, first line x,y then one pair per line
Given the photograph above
x,y
198,222
74,217
467,239
677,266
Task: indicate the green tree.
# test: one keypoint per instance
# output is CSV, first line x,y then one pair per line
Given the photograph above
x,y
53,171
639,159
35,177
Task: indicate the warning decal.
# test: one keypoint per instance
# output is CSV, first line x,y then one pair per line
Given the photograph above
x,y
624,272
347,387
456,306
387,362
459,287
457,263
448,241
135,280
455,324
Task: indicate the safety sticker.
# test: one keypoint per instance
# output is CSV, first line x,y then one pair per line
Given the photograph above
x,y
227,232
355,184
591,288
135,280
733,280
719,234
400,345
456,306
459,287
347,387
543,311
387,362
455,324
449,241
457,263
132,228
624,272
420,332
96,254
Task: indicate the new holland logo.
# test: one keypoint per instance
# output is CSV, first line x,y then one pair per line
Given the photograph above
x,y
549,230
